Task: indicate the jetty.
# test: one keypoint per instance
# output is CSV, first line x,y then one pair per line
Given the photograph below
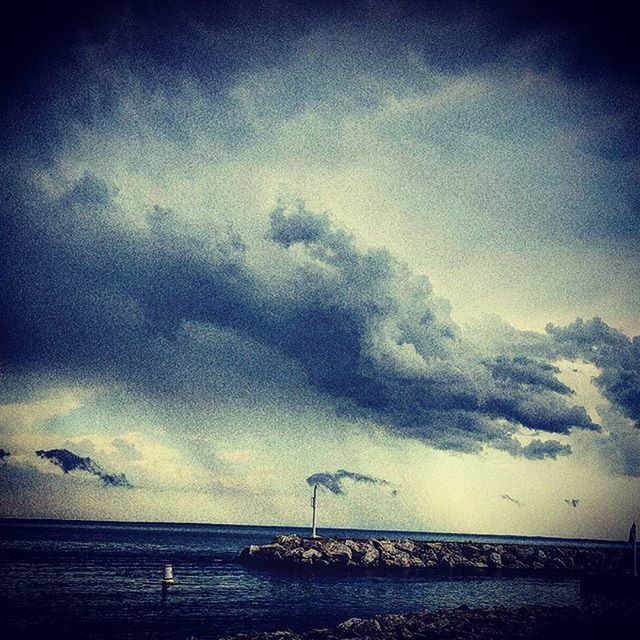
x,y
293,551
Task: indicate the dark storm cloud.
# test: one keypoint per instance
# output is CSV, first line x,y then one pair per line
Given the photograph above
x,y
334,482
617,355
86,293
212,45
527,371
396,353
528,355
583,43
536,450
508,498
69,461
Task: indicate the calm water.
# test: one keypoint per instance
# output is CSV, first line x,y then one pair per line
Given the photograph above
x,y
102,580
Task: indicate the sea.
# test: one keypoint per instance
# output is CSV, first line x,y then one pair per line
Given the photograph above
x,y
90,580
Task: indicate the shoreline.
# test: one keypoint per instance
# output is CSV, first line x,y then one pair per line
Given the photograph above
x,y
352,554
613,619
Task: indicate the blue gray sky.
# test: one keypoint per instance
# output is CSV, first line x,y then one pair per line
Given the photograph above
x,y
244,247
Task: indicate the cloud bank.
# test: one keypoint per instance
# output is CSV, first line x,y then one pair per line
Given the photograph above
x,y
69,461
617,355
334,482
361,329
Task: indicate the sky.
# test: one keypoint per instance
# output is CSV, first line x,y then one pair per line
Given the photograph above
x,y
385,248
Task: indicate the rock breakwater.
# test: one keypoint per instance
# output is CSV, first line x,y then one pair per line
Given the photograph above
x,y
611,620
472,557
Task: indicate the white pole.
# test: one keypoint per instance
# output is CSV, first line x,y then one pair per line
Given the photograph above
x,y
314,504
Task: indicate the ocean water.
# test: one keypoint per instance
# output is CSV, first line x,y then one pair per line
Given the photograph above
x,y
86,580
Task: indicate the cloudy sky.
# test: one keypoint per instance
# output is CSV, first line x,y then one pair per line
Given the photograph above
x,y
391,251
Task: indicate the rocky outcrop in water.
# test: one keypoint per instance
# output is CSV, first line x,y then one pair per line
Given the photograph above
x,y
463,557
610,620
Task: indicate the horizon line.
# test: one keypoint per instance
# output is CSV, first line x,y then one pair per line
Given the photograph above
x,y
4,519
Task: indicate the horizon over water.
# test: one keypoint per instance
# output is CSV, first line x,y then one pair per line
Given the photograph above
x,y
101,579
335,531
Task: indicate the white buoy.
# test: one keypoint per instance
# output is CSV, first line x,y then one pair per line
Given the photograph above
x,y
167,579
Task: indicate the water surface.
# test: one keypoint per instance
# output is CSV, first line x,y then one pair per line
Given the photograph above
x,y
88,580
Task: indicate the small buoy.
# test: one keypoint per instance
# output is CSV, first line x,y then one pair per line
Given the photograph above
x,y
168,575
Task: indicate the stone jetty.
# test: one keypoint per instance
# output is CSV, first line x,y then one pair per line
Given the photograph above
x,y
459,557
592,621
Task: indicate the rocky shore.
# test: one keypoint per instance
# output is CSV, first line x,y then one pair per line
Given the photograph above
x,y
459,557
611,620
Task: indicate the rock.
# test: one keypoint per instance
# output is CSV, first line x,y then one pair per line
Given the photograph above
x,y
370,556
294,555
494,560
540,555
270,552
469,550
429,557
390,621
356,547
394,559
557,564
288,542
249,551
356,627
336,552
406,545
406,554
384,545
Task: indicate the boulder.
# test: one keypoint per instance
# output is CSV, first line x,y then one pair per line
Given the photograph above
x,y
249,551
406,545
494,560
356,547
390,621
358,628
509,560
370,556
395,559
429,557
469,550
336,552
288,542
540,556
270,552
294,555
556,564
